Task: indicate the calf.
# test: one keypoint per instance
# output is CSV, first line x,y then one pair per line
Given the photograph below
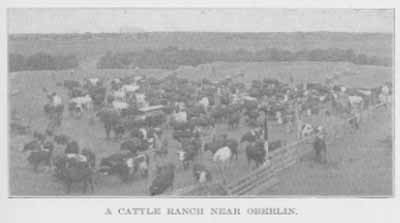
x,y
186,156
201,174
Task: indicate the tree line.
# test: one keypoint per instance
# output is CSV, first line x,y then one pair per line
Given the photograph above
x,y
172,57
41,61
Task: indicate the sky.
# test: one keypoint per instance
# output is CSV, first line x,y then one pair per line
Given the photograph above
x,y
211,20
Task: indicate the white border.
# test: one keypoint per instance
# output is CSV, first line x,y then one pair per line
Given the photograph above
x,y
70,210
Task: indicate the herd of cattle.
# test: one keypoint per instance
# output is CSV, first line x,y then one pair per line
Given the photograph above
x,y
138,111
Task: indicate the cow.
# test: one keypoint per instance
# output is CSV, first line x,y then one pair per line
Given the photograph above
x,y
38,153
234,119
306,130
98,96
139,163
161,148
83,102
354,121
164,179
72,147
70,84
119,164
39,136
356,101
276,144
110,118
252,135
61,139
257,153
120,105
201,174
74,170
186,156
54,112
223,154
204,102
131,145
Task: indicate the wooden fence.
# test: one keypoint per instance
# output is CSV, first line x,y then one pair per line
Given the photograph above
x,y
266,176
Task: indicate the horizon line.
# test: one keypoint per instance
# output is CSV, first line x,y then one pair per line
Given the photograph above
x,y
197,31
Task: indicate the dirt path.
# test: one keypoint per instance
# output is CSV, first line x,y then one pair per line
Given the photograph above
x,y
359,164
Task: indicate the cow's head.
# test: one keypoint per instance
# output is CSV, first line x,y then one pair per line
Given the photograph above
x,y
181,155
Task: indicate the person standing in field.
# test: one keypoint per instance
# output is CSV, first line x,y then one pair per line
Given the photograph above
x,y
319,146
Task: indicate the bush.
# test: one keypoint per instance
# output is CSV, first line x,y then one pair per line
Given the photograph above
x,y
16,62
41,61
172,57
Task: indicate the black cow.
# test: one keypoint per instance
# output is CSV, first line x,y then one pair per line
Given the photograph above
x,y
131,145
115,164
71,170
61,139
72,148
110,119
70,84
165,176
256,152
125,165
38,153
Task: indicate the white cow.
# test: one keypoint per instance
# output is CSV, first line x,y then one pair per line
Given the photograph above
x,y
181,106
77,157
222,155
84,101
248,98
130,88
119,94
355,101
306,130
93,81
365,92
204,102
119,105
181,116
144,133
279,117
385,90
141,99
56,100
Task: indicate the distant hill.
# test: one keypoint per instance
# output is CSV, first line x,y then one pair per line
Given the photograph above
x,y
131,29
96,44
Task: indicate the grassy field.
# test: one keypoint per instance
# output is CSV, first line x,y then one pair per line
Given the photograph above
x,y
29,101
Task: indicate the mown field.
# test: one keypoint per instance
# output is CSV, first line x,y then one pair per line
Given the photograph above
x,y
29,101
